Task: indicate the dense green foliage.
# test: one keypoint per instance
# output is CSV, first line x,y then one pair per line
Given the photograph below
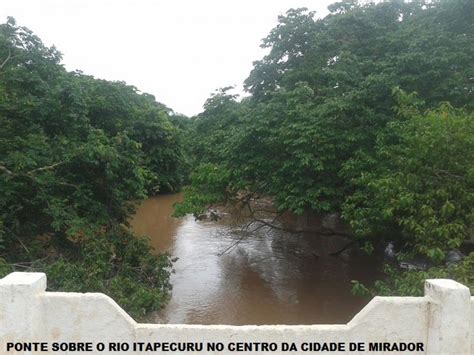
x,y
328,126
366,112
75,153
412,282
420,184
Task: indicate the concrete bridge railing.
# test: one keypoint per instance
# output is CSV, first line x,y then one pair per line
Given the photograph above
x,y
442,322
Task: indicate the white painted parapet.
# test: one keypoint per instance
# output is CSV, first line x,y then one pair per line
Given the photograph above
x,y
450,317
442,321
20,305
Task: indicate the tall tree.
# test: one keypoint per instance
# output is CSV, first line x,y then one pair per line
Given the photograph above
x,y
76,153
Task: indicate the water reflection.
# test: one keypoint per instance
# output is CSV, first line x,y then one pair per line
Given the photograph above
x,y
272,277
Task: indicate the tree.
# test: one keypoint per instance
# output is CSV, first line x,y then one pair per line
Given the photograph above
x,y
419,190
323,94
328,126
76,154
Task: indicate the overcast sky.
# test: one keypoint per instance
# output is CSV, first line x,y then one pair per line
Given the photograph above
x,y
178,50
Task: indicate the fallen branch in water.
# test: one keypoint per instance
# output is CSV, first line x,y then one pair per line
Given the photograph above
x,y
338,252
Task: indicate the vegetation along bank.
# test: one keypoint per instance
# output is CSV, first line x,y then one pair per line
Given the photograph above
x,y
367,113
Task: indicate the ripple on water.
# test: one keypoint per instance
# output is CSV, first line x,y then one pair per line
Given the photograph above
x,y
272,277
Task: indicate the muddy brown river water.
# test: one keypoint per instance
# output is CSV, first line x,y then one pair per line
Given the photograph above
x,y
272,277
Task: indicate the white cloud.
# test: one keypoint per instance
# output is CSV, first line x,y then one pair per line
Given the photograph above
x,y
180,50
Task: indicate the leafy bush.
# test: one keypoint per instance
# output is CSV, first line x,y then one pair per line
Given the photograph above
x,y
420,188
410,283
118,264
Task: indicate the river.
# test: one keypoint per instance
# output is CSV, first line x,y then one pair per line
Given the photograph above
x,y
273,277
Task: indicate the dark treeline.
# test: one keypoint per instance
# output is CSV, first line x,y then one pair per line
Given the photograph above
x,y
75,153
366,112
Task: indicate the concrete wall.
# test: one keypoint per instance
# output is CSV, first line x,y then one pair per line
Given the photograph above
x,y
443,320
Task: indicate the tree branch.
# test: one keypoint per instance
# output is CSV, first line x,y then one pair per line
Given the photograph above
x,y
28,173
322,231
7,58
49,167
337,252
7,171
